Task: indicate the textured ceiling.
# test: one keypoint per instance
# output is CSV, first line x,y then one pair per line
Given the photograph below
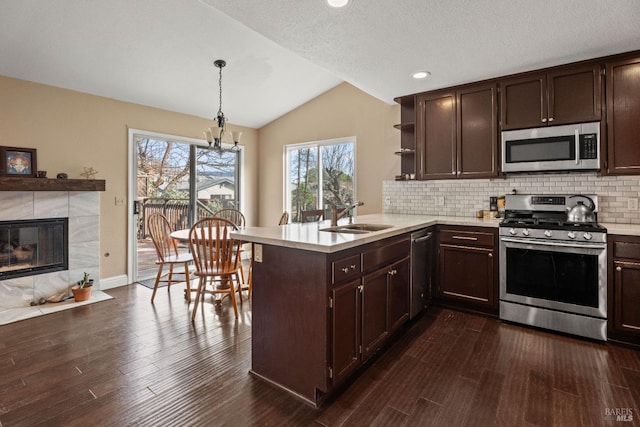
x,y
283,53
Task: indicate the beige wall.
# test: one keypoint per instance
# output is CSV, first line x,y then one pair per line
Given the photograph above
x,y
340,112
71,130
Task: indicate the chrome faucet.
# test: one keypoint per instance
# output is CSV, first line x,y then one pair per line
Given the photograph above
x,y
335,215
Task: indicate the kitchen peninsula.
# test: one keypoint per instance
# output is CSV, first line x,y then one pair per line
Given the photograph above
x,y
324,302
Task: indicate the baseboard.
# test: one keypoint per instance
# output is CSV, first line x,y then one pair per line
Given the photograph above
x,y
114,282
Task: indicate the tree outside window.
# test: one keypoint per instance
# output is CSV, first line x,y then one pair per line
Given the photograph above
x,y
307,189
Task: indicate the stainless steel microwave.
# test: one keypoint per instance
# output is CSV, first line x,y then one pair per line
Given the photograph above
x,y
552,148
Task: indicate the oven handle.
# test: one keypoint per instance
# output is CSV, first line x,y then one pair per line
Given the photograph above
x,y
561,244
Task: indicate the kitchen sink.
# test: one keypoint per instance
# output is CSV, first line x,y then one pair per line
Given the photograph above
x,y
356,228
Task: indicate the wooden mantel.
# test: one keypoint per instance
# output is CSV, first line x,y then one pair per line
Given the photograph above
x,y
46,184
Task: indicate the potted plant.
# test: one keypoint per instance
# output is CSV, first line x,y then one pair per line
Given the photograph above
x,y
82,289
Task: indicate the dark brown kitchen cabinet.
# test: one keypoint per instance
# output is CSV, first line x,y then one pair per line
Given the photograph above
x,y
624,288
623,116
467,273
317,317
558,96
436,135
345,327
366,311
456,133
477,131
398,276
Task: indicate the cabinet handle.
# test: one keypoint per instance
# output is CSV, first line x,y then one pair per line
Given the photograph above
x,y
544,120
490,255
353,266
392,272
618,268
550,119
464,238
345,270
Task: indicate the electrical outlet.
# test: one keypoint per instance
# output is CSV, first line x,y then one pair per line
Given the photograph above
x,y
257,252
120,201
632,203
438,201
387,201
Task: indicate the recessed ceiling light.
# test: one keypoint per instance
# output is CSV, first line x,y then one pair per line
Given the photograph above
x,y
337,3
421,75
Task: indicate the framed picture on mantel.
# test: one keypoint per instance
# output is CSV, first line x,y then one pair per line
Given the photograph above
x,y
18,162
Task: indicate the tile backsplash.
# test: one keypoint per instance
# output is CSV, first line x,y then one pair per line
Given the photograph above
x,y
617,195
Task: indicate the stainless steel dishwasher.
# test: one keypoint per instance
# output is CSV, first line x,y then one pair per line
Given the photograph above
x,y
420,271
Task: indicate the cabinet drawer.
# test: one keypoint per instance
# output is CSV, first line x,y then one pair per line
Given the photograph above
x,y
345,269
474,238
626,250
380,256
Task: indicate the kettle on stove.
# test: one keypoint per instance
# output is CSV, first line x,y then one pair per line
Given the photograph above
x,y
580,213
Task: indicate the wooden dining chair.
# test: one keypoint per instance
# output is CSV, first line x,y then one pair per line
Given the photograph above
x,y
233,215
284,219
167,253
217,259
238,219
312,215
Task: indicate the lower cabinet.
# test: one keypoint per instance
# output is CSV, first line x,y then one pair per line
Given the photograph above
x,y
624,289
365,312
468,268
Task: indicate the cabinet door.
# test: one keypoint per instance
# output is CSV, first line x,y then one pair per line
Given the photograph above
x,y
523,102
436,136
574,95
627,296
623,113
398,294
374,312
345,321
477,137
467,273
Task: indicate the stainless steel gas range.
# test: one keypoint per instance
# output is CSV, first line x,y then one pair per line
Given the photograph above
x,y
553,272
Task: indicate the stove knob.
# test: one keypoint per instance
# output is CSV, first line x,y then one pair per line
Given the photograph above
x,y
571,235
512,231
547,233
587,236
525,232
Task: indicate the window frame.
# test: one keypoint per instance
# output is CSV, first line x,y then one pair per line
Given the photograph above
x,y
288,148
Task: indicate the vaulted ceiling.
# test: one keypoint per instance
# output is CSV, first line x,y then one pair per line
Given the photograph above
x,y
281,54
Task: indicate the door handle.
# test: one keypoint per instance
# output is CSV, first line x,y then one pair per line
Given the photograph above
x,y
136,207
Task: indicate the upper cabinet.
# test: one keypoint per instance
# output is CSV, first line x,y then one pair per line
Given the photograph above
x,y
623,116
456,133
477,131
560,96
436,135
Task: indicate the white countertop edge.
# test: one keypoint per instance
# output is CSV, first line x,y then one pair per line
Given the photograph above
x,y
308,237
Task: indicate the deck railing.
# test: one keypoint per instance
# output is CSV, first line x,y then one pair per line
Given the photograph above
x,y
176,211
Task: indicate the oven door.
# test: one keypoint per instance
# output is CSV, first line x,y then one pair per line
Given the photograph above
x,y
562,276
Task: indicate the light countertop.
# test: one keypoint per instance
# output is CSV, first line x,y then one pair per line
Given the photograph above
x,y
309,237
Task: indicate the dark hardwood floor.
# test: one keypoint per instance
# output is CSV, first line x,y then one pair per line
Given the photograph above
x,y
128,362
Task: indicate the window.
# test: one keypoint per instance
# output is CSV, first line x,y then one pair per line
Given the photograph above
x,y
306,188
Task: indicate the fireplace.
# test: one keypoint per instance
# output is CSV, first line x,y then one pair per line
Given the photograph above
x,y
36,246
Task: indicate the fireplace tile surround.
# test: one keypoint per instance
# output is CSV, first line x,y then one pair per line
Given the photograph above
x,y
83,210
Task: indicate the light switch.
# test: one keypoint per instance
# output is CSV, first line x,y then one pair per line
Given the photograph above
x,y
120,201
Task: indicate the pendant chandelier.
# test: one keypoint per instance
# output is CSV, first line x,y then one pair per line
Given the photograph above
x,y
215,134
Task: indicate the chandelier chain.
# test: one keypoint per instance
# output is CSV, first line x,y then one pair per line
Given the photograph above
x,y
220,88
